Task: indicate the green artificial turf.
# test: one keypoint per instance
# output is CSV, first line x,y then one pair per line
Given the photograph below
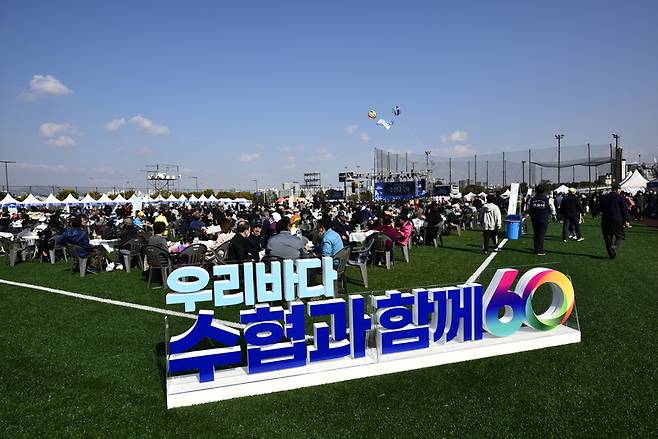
x,y
75,368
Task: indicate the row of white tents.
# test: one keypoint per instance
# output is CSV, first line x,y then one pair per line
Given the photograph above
x,y
88,200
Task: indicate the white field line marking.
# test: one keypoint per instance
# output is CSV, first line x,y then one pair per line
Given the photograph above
x,y
486,262
115,302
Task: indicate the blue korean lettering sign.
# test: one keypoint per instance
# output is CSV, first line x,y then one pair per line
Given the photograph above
x,y
273,337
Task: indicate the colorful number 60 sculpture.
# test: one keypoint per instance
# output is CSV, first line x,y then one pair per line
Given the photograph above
x,y
518,303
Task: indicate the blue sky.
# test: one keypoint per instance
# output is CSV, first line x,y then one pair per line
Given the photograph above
x,y
268,90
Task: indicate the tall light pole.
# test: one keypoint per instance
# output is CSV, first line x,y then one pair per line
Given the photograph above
x,y
617,165
523,171
196,183
6,162
559,137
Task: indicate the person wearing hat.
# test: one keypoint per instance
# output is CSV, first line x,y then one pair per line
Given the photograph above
x,y
138,221
571,208
540,212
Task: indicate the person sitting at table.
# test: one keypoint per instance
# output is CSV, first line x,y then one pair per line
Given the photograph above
x,y
341,226
226,234
158,240
196,225
256,238
285,245
241,248
178,247
76,235
126,232
387,228
139,220
405,228
160,217
330,241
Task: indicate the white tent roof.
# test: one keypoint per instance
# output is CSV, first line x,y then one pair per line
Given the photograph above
x,y
225,200
31,200
634,182
241,200
105,199
212,198
203,198
119,199
70,199
134,197
182,198
562,189
147,199
87,199
159,198
171,198
193,198
8,199
52,200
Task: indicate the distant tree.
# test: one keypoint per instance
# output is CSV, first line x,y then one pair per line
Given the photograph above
x,y
96,195
208,192
127,194
302,193
475,188
65,193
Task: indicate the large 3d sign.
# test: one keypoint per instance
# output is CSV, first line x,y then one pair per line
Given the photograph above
x,y
401,325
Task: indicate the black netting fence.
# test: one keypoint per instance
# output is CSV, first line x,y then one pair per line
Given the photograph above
x,y
577,164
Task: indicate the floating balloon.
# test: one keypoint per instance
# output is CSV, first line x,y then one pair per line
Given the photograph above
x,y
385,123
396,111
372,114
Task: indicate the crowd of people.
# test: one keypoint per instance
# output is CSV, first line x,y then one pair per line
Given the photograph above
x,y
311,229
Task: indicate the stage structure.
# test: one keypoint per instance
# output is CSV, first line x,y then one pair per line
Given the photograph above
x,y
161,177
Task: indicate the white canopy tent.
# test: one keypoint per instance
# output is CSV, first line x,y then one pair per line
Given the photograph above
x,y
119,199
52,200
562,189
8,199
212,199
182,198
172,199
225,200
193,198
147,199
70,199
88,199
159,198
242,201
134,198
203,198
634,183
104,199
31,200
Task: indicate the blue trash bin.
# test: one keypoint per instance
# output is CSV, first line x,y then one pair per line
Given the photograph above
x,y
513,226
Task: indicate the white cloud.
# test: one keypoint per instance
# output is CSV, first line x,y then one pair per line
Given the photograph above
x,y
42,86
115,124
61,141
350,129
145,124
249,157
455,137
364,137
51,129
59,135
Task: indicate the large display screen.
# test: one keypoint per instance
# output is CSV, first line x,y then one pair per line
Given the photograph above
x,y
394,190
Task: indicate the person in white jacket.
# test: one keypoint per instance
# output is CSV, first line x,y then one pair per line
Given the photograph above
x,y
491,221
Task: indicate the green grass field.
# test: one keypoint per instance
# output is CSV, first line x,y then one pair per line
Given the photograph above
x,y
75,368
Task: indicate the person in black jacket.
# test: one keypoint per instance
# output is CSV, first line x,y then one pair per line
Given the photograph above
x,y
241,248
571,208
614,217
540,212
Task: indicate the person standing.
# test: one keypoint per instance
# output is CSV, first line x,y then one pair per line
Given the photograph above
x,y
491,220
540,212
614,217
570,209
